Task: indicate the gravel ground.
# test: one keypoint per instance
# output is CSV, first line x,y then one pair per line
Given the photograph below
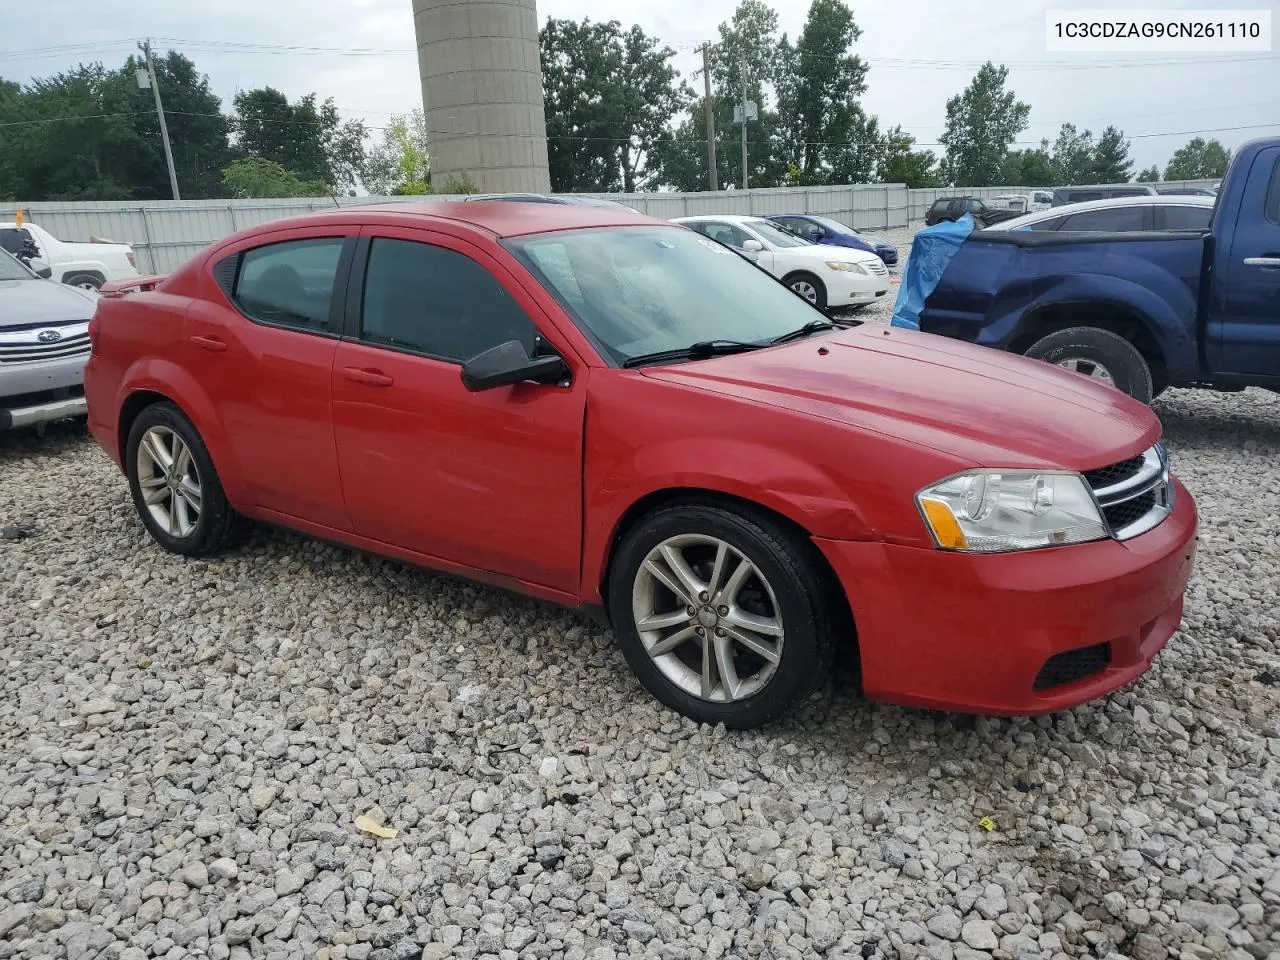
x,y
185,747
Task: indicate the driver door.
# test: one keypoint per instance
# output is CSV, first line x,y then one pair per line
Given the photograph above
x,y
491,480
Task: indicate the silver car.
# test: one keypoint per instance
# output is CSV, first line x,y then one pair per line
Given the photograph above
x,y
44,341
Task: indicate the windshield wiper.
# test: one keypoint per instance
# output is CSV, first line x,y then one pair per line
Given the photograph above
x,y
694,351
813,326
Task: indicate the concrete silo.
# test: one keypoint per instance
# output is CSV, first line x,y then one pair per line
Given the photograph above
x,y
482,92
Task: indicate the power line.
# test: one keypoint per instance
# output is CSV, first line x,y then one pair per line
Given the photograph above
x,y
286,49
589,138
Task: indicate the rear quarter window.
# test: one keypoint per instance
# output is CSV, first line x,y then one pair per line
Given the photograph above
x,y
1186,218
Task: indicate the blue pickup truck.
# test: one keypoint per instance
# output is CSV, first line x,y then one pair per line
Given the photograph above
x,y
1145,311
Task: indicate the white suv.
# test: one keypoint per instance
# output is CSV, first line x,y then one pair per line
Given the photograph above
x,y
829,277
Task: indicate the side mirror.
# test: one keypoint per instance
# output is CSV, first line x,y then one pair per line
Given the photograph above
x,y
752,245
509,363
43,273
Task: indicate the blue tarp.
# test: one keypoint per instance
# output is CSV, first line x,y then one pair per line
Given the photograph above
x,y
931,251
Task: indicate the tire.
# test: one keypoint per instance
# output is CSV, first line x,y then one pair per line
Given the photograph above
x,y
786,589
1102,355
815,290
86,281
204,522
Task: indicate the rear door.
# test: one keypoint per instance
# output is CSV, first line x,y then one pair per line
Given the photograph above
x,y
1245,302
264,355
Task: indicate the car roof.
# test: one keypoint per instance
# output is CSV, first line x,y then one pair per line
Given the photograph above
x,y
1108,203
723,218
513,219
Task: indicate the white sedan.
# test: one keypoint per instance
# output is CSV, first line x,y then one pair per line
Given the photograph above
x,y
1120,215
831,278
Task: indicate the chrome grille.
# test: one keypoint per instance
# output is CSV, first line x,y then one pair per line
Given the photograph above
x,y
878,268
1135,495
54,341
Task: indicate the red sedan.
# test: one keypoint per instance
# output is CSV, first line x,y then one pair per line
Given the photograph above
x,y
614,413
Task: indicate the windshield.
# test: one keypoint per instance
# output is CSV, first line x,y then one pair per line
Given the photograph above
x,y
774,235
835,226
11,269
646,289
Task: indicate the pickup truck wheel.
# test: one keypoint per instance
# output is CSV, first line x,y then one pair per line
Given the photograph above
x,y
809,287
1100,354
85,281
724,616
174,485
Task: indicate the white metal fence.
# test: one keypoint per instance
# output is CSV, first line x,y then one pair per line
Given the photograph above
x,y
166,233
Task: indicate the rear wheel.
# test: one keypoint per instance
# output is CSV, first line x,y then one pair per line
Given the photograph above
x,y
1099,354
174,485
809,287
724,616
85,281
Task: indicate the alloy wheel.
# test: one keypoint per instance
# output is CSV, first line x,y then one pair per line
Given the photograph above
x,y
708,618
1090,368
169,481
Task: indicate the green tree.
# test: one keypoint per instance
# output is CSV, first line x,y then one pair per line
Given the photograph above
x,y
1198,160
90,133
819,82
899,163
1073,155
609,97
982,122
306,137
255,177
1149,174
748,55
1111,163
1030,168
400,165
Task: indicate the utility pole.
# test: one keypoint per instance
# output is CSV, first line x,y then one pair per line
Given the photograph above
x,y
742,71
709,104
145,47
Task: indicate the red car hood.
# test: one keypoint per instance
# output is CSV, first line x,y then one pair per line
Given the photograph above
x,y
976,403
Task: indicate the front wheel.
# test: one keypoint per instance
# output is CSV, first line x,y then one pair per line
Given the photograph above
x,y
1099,354
809,287
723,616
175,488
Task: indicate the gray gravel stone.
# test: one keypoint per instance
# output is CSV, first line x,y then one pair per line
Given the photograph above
x,y
248,707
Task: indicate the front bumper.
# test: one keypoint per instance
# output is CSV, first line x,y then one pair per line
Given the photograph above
x,y
975,633
33,393
853,289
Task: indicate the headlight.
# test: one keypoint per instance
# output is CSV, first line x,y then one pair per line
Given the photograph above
x,y
846,267
991,511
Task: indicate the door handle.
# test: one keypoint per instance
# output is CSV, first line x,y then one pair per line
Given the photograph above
x,y
212,344
370,378
1267,261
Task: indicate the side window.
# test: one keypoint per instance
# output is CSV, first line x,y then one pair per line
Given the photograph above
x,y
725,233
974,205
15,239
1185,218
940,206
290,283
438,302
1272,206
1052,224
1118,220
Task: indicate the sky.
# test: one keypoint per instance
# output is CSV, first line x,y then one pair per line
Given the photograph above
x,y
361,53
